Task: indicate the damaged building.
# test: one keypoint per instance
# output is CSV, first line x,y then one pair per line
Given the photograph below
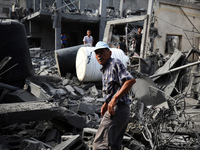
x,y
50,98
44,25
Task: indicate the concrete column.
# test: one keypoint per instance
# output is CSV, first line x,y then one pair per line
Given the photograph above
x,y
102,8
145,39
41,4
110,3
126,31
36,5
121,8
57,24
102,12
81,5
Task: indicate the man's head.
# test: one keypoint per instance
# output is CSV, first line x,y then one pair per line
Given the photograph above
x,y
89,32
102,52
139,30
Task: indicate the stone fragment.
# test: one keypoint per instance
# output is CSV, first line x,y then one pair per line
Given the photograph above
x,y
79,90
86,108
69,88
88,99
93,91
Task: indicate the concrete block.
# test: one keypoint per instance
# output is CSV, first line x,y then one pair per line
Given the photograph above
x,y
71,143
88,132
39,92
87,86
75,80
66,82
31,111
88,135
69,88
68,75
61,92
71,117
19,96
86,108
102,100
53,135
93,91
38,79
79,90
88,99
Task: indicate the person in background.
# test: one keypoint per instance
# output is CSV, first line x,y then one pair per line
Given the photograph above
x,y
122,45
137,41
88,39
116,82
63,40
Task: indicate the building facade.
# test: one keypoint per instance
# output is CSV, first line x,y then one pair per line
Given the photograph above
x,y
6,8
42,21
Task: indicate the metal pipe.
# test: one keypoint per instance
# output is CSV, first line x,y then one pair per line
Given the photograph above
x,y
175,69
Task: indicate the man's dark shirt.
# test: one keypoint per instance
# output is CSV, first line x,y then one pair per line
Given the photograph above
x,y
138,38
114,76
122,46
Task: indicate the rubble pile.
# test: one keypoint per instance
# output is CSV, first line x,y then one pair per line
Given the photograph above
x,y
54,113
51,112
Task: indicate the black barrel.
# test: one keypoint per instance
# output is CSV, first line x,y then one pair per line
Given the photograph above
x,y
14,44
66,59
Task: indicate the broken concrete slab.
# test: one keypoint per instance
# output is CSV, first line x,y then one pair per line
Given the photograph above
x,y
31,111
80,91
39,92
69,88
175,60
66,82
19,96
93,92
145,94
38,79
86,108
71,142
70,117
88,99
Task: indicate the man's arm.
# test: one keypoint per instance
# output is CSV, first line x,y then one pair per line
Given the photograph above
x,y
134,42
124,89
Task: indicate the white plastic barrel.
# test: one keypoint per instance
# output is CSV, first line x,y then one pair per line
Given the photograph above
x,y
87,67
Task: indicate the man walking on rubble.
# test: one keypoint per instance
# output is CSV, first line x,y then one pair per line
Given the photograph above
x,y
116,82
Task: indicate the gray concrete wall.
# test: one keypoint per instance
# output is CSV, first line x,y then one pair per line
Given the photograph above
x,y
171,20
5,4
48,36
129,4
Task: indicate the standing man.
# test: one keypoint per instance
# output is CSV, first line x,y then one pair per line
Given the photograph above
x,y
137,40
63,40
122,45
88,39
116,82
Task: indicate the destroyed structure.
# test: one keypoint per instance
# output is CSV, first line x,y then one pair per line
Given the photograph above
x,y
45,19
45,106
